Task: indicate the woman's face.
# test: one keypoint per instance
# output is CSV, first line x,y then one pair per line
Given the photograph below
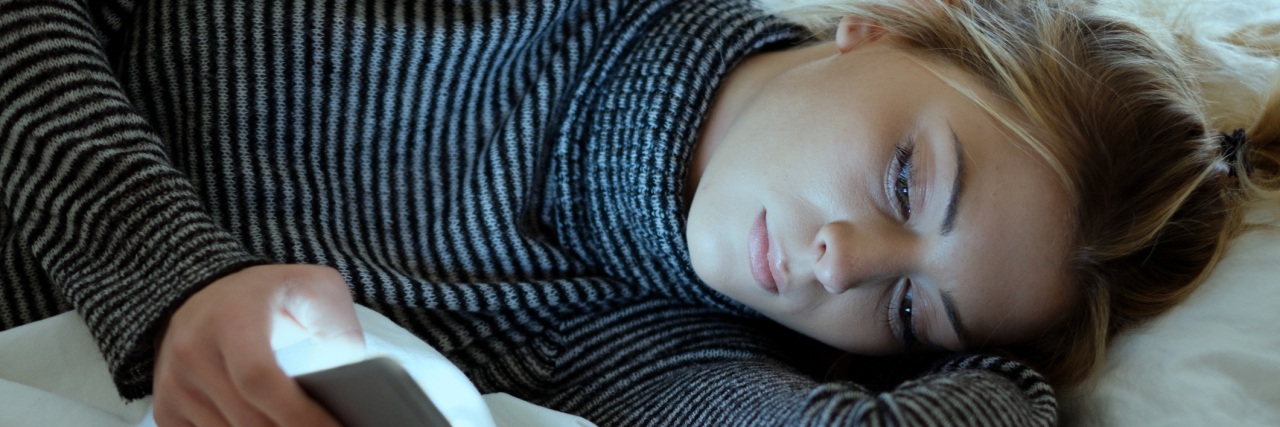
x,y
861,200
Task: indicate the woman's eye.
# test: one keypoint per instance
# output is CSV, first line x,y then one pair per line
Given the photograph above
x,y
905,306
902,182
906,321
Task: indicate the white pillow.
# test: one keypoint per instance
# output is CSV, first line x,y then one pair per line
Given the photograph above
x,y
1214,360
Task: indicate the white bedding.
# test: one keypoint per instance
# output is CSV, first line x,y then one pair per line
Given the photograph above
x,y
52,374
1214,360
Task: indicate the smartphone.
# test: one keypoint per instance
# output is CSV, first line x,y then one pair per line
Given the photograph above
x,y
375,392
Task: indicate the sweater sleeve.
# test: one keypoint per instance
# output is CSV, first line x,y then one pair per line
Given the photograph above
x,y
86,184
665,365
975,391
968,390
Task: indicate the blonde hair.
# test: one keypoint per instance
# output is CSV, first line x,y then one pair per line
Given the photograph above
x,y
1126,107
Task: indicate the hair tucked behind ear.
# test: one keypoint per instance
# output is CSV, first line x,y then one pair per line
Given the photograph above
x,y
1128,114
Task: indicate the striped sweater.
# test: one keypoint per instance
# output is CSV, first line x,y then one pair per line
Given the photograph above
x,y
502,178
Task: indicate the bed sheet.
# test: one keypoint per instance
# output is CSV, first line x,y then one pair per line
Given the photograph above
x,y
52,374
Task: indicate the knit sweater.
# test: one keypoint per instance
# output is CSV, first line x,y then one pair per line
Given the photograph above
x,y
502,178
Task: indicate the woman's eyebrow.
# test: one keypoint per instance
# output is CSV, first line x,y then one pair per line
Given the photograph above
x,y
949,220
950,306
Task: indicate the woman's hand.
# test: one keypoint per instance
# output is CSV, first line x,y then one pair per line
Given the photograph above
x,y
215,364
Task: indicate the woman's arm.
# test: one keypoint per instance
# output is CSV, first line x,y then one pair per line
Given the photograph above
x,y
967,390
90,191
661,363
768,393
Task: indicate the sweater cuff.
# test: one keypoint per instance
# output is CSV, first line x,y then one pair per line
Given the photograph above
x,y
131,357
126,281
126,314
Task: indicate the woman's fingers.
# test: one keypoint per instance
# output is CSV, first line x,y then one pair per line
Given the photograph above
x,y
328,317
255,375
215,365
196,389
202,411
183,404
232,404
179,400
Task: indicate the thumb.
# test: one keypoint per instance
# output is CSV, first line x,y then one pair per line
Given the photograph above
x,y
328,351
328,317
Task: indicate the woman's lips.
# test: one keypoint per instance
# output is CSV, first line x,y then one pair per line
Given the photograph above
x,y
759,255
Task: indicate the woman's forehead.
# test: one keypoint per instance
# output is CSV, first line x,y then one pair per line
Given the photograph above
x,y
1004,261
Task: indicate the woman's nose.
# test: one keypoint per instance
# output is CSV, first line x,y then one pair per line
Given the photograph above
x,y
849,255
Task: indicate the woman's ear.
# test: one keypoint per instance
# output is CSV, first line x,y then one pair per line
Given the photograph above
x,y
853,32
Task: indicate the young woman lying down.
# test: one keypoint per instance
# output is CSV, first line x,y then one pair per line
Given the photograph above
x,y
624,210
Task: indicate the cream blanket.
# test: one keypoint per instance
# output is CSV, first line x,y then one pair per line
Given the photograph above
x,y
52,374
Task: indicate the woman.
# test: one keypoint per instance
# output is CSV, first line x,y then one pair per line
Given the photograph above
x,y
511,182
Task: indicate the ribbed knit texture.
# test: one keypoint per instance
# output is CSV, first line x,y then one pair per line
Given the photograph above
x,y
502,178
